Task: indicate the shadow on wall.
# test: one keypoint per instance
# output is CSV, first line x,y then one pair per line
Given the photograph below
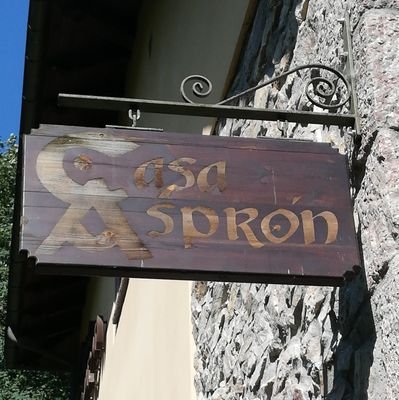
x,y
271,42
354,355
273,37
269,47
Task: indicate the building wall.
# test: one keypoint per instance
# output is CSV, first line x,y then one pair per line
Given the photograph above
x,y
181,38
150,353
285,342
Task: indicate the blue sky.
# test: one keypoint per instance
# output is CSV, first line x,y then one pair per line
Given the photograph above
x,y
13,20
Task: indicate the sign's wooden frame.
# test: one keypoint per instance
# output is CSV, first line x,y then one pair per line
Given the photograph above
x,y
174,206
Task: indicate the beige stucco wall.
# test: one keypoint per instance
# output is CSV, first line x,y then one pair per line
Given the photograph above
x,y
180,38
149,355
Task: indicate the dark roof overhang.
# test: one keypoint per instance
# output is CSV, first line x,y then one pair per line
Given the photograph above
x,y
73,47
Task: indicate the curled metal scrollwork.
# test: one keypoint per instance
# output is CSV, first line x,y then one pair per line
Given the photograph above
x,y
321,91
201,87
327,89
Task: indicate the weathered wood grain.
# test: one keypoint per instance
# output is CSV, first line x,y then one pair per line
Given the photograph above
x,y
103,201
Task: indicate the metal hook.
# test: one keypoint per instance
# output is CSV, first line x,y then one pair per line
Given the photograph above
x,y
134,117
282,126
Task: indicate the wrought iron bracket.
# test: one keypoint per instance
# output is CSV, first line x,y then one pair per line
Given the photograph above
x,y
203,110
319,90
327,89
350,70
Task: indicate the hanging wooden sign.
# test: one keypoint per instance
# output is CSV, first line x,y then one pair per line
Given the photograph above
x,y
174,206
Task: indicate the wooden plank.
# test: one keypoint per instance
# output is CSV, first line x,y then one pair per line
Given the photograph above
x,y
170,205
194,140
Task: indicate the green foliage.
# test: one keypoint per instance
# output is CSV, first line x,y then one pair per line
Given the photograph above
x,y
18,385
8,160
31,385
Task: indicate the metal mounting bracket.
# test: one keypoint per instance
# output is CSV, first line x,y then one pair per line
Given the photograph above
x,y
350,70
327,89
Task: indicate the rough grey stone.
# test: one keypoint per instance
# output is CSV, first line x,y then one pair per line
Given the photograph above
x,y
284,342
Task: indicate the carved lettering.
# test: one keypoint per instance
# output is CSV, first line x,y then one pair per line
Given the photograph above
x,y
308,226
268,231
157,165
188,175
95,194
232,226
165,218
202,180
139,174
80,197
190,232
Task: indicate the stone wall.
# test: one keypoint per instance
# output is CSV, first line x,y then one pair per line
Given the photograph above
x,y
291,342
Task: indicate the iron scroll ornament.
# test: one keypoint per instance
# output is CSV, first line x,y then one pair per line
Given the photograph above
x,y
323,88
